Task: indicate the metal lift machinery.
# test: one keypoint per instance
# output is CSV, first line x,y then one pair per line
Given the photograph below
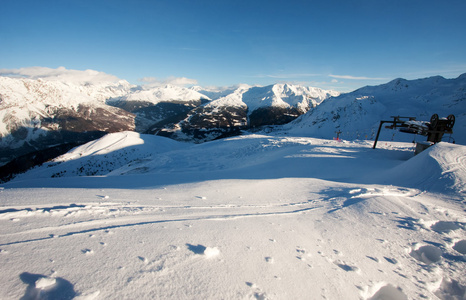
x,y
434,129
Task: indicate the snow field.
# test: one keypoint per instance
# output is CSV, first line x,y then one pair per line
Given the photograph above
x,y
253,217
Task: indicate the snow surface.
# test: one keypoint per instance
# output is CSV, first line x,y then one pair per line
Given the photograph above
x,y
250,217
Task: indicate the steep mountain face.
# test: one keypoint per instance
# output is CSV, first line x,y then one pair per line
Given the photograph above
x,y
36,114
245,107
358,114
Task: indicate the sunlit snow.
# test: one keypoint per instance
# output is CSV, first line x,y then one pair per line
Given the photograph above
x,y
250,217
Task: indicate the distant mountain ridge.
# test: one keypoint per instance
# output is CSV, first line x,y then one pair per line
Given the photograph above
x,y
167,92
243,108
357,114
38,113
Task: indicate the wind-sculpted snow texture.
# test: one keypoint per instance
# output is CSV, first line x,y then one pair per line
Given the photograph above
x,y
357,114
250,217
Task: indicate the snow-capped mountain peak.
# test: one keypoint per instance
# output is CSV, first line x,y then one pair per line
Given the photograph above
x,y
277,95
164,93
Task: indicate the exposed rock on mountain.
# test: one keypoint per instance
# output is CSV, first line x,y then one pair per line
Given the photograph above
x,y
246,107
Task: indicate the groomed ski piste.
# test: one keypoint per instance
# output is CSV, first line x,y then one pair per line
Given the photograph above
x,y
135,216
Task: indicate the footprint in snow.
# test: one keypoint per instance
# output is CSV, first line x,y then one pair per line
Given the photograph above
x,y
208,252
373,258
302,254
391,260
409,223
173,247
87,251
300,250
196,249
427,254
450,289
389,292
337,252
257,292
445,226
459,246
346,267
269,259
45,287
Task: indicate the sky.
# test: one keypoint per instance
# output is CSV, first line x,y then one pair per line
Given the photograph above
x,y
331,44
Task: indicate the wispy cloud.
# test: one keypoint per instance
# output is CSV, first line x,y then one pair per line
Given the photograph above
x,y
178,81
287,76
350,77
60,73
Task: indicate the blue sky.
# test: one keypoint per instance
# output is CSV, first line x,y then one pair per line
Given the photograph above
x,y
341,45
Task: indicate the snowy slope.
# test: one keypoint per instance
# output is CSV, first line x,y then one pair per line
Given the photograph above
x,y
357,114
443,170
250,217
106,154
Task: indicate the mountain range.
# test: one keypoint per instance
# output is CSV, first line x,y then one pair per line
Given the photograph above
x,y
44,118
37,114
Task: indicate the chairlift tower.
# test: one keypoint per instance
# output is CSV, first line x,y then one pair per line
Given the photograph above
x,y
434,129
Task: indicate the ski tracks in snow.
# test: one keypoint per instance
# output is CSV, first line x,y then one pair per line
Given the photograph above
x,y
436,256
76,219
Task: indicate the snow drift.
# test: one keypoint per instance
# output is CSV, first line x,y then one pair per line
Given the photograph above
x,y
441,168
